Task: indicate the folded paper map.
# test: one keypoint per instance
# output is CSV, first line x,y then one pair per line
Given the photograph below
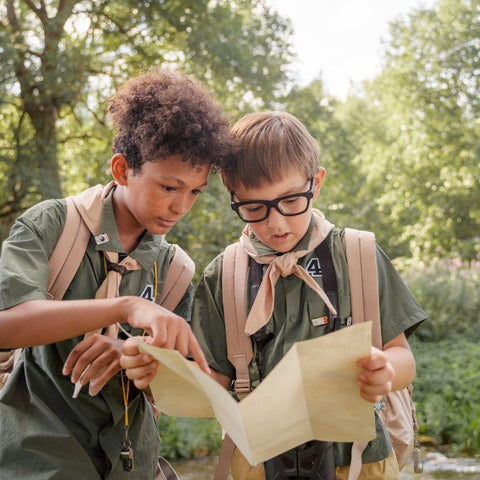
x,y
310,395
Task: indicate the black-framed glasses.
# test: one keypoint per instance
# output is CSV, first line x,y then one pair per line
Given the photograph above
x,y
253,211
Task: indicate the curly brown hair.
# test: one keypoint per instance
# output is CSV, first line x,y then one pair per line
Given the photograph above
x,y
163,113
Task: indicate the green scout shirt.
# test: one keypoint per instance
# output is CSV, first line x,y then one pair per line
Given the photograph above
x,y
45,433
295,306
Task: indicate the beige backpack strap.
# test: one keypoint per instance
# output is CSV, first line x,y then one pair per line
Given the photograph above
x,y
84,216
68,253
239,345
224,459
90,205
234,292
179,277
363,279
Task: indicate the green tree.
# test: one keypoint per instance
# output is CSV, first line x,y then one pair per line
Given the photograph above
x,y
336,140
429,94
62,58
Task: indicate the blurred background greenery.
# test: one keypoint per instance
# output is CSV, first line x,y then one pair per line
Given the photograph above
x,y
401,153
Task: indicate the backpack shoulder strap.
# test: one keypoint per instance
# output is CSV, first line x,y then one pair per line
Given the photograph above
x,y
84,216
179,276
329,280
234,293
239,345
68,253
363,279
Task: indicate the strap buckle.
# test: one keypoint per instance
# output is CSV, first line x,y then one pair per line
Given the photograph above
x,y
242,387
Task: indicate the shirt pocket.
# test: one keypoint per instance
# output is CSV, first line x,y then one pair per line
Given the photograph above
x,y
316,311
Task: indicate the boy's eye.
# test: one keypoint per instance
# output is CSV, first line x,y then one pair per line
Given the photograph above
x,y
254,207
290,201
168,189
196,191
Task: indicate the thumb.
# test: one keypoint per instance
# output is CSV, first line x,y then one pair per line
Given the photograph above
x,y
130,346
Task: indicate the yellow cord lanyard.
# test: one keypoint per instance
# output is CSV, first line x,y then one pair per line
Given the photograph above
x,y
126,453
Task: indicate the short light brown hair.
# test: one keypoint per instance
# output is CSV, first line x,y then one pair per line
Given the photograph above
x,y
271,144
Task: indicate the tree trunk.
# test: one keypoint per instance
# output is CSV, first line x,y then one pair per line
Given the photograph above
x,y
45,174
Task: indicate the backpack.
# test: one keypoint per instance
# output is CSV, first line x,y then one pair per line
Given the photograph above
x,y
398,410
83,219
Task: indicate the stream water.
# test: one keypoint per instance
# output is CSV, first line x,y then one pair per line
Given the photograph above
x,y
435,467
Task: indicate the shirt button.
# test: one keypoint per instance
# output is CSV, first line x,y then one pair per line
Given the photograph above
x,y
293,319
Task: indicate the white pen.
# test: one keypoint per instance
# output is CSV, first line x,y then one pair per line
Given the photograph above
x,y
78,385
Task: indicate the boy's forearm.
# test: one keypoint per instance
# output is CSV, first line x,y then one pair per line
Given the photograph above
x,y
403,363
39,322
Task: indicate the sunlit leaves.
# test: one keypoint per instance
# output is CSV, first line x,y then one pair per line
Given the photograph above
x,y
64,59
429,94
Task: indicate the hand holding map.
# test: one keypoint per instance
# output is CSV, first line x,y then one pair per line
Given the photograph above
x,y
310,394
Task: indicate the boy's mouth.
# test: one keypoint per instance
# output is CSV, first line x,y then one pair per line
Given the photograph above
x,y
166,223
280,237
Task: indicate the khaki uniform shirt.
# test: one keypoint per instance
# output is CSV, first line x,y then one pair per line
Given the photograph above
x,y
295,307
45,433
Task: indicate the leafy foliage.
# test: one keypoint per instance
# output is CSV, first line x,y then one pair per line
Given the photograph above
x,y
318,112
188,437
449,291
64,59
447,392
428,155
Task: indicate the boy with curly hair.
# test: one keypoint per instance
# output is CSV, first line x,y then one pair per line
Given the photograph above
x,y
170,135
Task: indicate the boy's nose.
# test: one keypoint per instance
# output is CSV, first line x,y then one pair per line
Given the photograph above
x,y
180,205
274,217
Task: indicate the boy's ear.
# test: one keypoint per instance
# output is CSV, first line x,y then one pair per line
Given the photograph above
x,y
119,168
318,181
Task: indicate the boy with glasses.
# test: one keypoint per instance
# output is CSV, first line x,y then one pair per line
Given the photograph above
x,y
272,184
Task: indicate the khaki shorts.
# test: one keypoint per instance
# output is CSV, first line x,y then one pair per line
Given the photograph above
x,y
242,470
386,469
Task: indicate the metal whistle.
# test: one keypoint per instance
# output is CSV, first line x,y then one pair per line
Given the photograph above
x,y
126,457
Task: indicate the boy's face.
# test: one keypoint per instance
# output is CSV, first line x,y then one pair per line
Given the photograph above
x,y
277,231
159,195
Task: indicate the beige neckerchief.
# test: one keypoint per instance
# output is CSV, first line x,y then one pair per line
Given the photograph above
x,y
111,284
91,209
284,265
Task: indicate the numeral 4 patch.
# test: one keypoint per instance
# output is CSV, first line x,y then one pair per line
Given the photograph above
x,y
313,267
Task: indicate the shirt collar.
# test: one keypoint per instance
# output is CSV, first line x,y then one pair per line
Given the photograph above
x,y
146,252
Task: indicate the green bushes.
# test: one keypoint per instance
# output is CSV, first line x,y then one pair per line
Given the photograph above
x,y
449,291
447,392
184,438
447,350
